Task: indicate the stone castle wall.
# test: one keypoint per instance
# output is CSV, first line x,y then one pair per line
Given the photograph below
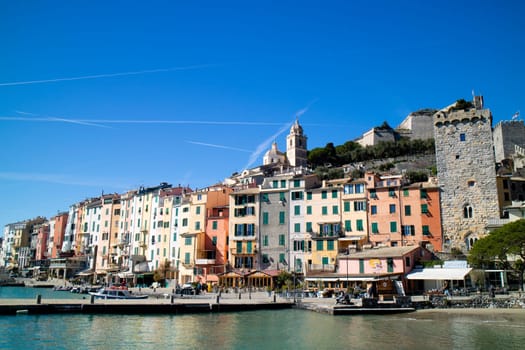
x,y
466,174
507,134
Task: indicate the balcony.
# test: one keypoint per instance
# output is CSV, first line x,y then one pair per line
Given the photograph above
x,y
321,268
204,261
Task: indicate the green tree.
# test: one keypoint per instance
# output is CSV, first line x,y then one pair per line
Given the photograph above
x,y
503,248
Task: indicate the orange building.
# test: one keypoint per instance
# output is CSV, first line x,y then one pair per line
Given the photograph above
x,y
402,214
58,236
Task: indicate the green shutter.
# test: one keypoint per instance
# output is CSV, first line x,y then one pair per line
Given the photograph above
x,y
249,247
330,245
281,217
319,246
309,210
359,224
309,196
347,206
297,227
361,266
348,225
424,208
323,195
407,210
375,228
265,218
297,210
393,226
239,247
308,227
426,230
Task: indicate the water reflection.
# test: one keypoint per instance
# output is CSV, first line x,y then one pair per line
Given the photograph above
x,y
288,329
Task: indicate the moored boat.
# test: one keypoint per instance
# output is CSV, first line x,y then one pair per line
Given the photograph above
x,y
116,293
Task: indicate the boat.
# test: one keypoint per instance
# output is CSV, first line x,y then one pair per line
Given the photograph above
x,y
116,293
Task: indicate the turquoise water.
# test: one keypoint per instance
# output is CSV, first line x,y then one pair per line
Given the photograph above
x,y
31,293
282,329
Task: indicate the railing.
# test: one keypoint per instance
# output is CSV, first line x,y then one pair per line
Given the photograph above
x,y
322,267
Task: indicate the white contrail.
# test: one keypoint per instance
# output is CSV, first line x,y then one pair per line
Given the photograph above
x,y
59,179
218,146
58,119
109,75
266,144
96,122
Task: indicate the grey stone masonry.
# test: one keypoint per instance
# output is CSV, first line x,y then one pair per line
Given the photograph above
x,y
466,174
507,135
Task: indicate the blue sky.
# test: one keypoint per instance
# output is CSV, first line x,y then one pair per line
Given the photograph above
x,y
108,96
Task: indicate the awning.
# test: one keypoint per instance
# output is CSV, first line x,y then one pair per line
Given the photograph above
x,y
352,238
439,274
87,272
344,278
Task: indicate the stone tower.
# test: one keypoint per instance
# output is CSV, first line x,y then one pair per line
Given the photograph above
x,y
466,172
296,146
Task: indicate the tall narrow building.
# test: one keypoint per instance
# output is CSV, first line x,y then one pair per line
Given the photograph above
x,y
296,146
466,172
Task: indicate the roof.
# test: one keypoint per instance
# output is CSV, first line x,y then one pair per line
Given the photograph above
x,y
388,252
439,274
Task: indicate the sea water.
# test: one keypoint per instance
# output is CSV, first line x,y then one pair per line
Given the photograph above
x,y
275,329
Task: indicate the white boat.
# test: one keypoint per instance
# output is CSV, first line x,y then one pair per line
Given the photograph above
x,y
116,293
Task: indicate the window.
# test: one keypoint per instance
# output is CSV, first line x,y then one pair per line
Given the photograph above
x,y
462,137
239,247
329,245
359,188
297,195
265,259
265,240
184,222
408,230
375,228
296,183
361,265
214,225
297,210
265,218
334,193
471,183
407,210
249,247
275,184
426,230
359,225
198,210
186,258
391,192
264,197
282,197
467,212
281,217
309,196
308,227
346,206
187,241
281,258
373,209
393,226
407,261
405,192
324,210
214,240
335,209
297,227
309,210
197,225
359,206
424,208
390,264
392,208
323,195
281,239
373,194
319,246
423,194
283,183
348,189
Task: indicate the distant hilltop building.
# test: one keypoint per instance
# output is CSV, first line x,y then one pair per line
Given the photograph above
x,y
418,125
466,172
509,139
296,150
